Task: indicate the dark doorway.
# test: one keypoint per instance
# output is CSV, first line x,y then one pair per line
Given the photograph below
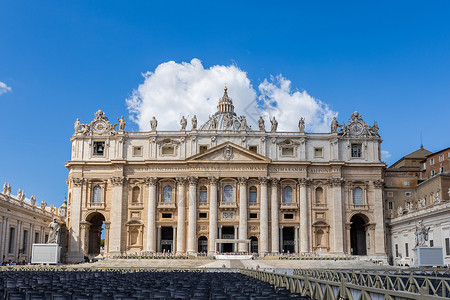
x,y
202,244
253,244
227,233
288,240
166,239
95,233
358,236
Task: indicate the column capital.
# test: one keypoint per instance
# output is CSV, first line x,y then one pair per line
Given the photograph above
x,y
335,182
242,180
151,180
213,180
304,181
263,180
274,181
379,183
117,180
77,181
181,180
192,180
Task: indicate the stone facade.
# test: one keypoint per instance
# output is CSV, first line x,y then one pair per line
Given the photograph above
x,y
22,224
180,191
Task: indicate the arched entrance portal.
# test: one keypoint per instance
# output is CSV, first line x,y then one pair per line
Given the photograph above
x,y
202,244
95,233
358,236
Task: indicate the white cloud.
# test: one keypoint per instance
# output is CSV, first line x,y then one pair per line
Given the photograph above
x,y
177,89
385,155
4,88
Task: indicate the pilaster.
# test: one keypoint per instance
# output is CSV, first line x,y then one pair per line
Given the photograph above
x,y
212,214
242,213
192,226
181,181
74,254
264,217
274,215
151,214
116,214
304,228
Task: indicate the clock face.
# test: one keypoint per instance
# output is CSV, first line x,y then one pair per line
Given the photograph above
x,y
356,129
100,127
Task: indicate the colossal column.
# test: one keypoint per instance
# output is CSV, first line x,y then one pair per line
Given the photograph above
x,y
304,236
116,216
264,218
212,214
192,227
181,225
379,219
151,228
274,215
338,227
74,254
242,247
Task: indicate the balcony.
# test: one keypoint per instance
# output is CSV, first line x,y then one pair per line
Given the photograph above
x,y
136,205
228,205
96,205
320,206
166,205
289,206
253,205
359,206
203,204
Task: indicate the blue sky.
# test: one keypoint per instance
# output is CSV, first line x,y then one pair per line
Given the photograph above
x,y
62,60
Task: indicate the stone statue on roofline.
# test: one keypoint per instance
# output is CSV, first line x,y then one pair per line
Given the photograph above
x,y
183,123
5,188
153,123
334,125
301,125
243,121
121,124
261,124
194,122
33,200
274,126
77,126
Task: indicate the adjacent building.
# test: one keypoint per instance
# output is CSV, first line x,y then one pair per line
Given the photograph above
x,y
221,186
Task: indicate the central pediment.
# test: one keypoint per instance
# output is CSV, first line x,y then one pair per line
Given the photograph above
x,y
228,153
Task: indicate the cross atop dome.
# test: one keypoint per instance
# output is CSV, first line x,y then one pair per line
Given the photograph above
x,y
225,103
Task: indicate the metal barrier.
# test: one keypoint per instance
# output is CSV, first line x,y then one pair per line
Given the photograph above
x,y
333,285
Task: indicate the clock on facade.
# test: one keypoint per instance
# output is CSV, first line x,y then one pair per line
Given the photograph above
x,y
356,129
100,127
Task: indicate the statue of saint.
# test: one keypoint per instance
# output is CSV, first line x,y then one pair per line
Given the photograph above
x,y
194,122
243,123
121,124
213,123
334,125
436,198
153,123
33,200
400,211
8,190
183,123
53,238
43,205
5,188
374,129
77,126
274,126
421,233
301,125
261,125
422,203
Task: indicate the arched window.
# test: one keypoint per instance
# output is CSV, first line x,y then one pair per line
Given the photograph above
x,y
203,194
135,194
358,196
97,195
167,194
252,194
287,195
319,195
228,193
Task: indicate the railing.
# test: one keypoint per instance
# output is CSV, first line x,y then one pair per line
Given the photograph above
x,y
28,206
96,204
166,205
359,206
372,286
227,204
289,205
136,204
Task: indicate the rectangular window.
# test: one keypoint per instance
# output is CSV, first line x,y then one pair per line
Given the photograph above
x,y
447,246
12,239
431,243
168,150
137,151
441,170
431,161
287,151
203,197
288,216
202,215
253,216
166,216
253,149
36,237
406,250
433,172
406,183
99,148
356,150
252,197
389,183
390,205
390,194
203,148
407,194
424,166
441,157
25,242
318,152
396,250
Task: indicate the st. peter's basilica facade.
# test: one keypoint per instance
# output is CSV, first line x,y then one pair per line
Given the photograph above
x,y
224,187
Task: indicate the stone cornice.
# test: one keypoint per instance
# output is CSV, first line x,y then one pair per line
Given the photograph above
x,y
423,213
